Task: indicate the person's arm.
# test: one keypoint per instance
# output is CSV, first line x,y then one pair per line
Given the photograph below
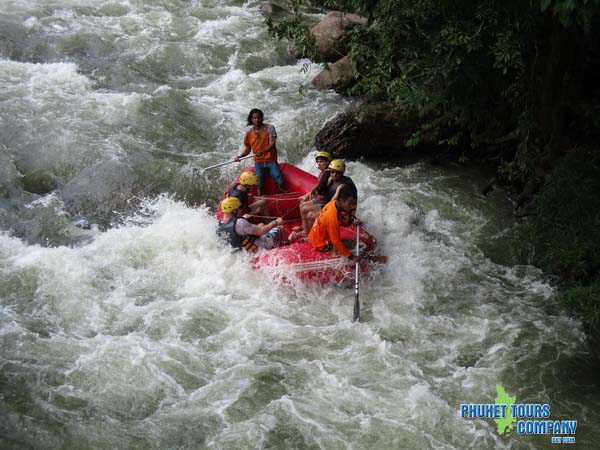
x,y
337,191
246,149
263,228
333,229
313,191
272,142
323,182
310,194
265,150
272,137
244,153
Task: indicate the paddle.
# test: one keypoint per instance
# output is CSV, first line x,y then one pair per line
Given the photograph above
x,y
356,312
372,257
226,162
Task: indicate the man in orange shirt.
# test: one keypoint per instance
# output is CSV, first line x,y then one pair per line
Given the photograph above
x,y
326,229
261,140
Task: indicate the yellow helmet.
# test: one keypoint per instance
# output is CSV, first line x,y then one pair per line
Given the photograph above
x,y
324,154
230,204
338,164
248,178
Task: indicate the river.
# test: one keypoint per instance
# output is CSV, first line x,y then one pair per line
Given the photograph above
x,y
125,323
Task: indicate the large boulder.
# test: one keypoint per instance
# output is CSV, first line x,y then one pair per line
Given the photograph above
x,y
338,76
375,131
330,33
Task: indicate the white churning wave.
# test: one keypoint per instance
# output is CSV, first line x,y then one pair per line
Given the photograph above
x,y
49,107
153,334
157,322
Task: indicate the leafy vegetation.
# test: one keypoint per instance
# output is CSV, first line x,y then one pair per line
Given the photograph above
x,y
497,74
566,231
567,226
296,29
481,70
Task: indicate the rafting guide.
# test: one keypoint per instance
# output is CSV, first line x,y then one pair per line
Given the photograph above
x,y
530,418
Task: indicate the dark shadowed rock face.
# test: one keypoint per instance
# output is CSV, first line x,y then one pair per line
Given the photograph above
x,y
374,132
339,76
330,33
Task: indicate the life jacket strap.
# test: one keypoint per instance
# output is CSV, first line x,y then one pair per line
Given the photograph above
x,y
249,245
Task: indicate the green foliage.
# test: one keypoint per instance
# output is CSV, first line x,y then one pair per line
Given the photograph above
x,y
565,232
471,68
363,7
571,12
295,29
511,72
585,302
454,61
567,224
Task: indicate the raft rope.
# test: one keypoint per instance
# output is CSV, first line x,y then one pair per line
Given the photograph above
x,y
279,200
270,197
273,217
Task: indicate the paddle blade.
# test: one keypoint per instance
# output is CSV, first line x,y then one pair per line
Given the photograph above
x,y
356,312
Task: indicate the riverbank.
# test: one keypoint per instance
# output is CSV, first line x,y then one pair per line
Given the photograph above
x,y
126,323
462,91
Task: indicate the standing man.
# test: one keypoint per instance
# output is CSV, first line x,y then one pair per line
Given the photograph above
x,y
325,232
260,139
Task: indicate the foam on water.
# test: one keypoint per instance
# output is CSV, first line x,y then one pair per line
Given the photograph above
x,y
152,334
102,131
54,102
157,322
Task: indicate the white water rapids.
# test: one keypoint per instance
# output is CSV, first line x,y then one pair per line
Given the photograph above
x,y
125,323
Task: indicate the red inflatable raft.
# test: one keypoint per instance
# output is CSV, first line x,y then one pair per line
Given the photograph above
x,y
300,260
